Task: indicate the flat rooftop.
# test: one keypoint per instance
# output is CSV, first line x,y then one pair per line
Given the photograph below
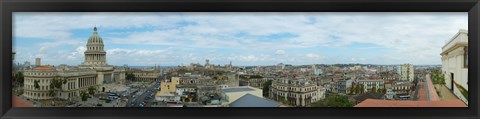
x,y
238,89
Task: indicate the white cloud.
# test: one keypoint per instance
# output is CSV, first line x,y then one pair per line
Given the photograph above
x,y
409,37
280,52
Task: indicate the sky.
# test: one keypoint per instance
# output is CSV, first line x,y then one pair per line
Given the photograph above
x,y
244,38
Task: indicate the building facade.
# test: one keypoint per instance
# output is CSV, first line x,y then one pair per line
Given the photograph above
x,y
455,64
77,80
407,72
94,71
341,86
297,92
369,84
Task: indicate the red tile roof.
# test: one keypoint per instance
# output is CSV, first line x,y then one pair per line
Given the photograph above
x,y
405,103
44,68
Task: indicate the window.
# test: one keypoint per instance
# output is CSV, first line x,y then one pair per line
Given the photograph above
x,y
465,57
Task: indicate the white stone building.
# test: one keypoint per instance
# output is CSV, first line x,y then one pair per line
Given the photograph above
x,y
455,63
94,71
369,84
297,92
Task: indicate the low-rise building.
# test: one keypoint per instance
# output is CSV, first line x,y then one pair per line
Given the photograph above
x,y
369,84
77,80
296,92
342,85
168,90
237,92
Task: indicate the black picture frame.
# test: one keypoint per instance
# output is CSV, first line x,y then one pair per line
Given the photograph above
x,y
10,6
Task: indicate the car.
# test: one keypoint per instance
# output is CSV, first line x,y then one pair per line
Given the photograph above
x,y
141,105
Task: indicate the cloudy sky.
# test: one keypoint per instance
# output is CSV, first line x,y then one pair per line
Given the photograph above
x,y
170,39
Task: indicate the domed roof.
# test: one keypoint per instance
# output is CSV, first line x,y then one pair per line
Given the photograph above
x,y
95,38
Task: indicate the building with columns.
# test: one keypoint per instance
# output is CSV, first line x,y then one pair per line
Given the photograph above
x,y
93,72
297,92
455,64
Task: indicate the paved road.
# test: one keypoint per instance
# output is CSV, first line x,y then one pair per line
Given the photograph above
x,y
141,98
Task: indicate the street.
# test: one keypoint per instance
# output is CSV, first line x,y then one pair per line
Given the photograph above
x,y
143,93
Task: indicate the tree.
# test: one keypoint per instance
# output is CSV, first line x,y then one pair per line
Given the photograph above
x,y
285,101
382,90
84,95
362,88
357,89
35,84
374,89
56,87
334,100
353,90
91,90
266,88
130,76
18,78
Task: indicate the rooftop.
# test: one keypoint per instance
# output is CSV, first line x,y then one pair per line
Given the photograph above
x,y
405,103
44,68
239,89
250,100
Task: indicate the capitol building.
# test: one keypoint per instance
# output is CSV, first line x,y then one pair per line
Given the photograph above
x,y
93,72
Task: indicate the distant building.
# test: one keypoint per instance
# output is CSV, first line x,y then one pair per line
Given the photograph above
x,y
407,72
297,92
38,62
402,88
455,64
342,85
255,82
146,74
369,84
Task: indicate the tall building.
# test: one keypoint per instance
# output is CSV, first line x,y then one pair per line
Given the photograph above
x,y
406,72
455,64
38,62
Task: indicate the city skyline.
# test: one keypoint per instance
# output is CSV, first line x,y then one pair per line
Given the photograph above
x,y
171,39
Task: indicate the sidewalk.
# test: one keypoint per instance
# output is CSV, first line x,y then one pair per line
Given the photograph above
x,y
445,93
19,102
427,91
